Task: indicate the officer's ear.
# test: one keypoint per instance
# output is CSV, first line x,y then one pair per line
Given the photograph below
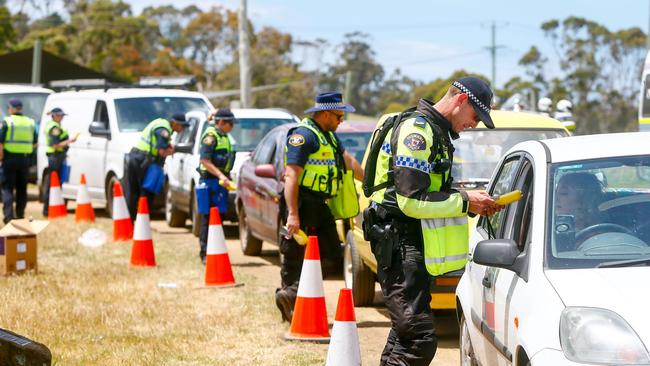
x,y
461,98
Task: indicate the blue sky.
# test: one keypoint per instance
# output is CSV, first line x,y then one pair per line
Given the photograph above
x,y
425,38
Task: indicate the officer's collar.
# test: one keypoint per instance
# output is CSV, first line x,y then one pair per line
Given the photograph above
x,y
426,107
17,114
312,122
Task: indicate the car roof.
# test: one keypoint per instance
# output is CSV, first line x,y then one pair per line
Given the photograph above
x,y
17,88
510,119
586,147
118,93
348,126
261,113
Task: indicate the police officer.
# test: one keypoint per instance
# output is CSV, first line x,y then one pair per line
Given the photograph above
x,y
417,224
314,162
217,158
153,147
58,142
18,137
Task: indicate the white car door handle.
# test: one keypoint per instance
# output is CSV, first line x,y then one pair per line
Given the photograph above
x,y
486,281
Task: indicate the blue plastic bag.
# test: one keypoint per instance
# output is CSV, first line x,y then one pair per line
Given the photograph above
x,y
210,194
154,179
65,172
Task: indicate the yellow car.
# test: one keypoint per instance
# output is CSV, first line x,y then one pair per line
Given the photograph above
x,y
476,154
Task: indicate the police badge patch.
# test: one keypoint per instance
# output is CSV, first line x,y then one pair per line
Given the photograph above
x,y
164,133
208,140
55,131
296,139
415,142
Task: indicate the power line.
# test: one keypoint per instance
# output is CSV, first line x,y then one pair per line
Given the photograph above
x,y
436,59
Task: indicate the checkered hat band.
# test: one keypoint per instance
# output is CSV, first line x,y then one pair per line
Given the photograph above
x,y
329,105
321,162
471,96
411,162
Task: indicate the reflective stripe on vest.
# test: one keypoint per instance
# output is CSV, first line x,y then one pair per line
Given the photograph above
x,y
320,173
222,143
446,244
64,134
148,140
20,134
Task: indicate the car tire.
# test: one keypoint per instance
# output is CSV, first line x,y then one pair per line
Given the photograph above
x,y
194,212
173,216
357,275
467,357
109,195
250,245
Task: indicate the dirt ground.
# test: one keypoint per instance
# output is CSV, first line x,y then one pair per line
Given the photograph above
x,y
89,307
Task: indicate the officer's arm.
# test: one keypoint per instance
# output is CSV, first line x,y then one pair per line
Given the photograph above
x,y
291,175
352,163
3,134
163,143
206,151
412,179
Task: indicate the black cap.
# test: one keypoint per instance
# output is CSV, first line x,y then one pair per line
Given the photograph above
x,y
180,119
224,114
480,96
15,103
57,110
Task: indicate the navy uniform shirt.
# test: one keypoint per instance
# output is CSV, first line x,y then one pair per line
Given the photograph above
x,y
163,138
4,127
219,157
301,143
54,137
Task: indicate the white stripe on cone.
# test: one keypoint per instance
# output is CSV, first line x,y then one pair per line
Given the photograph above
x,y
120,211
142,228
344,345
216,240
82,195
56,198
311,279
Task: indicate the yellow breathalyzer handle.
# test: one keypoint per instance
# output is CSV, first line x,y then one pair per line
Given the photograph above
x,y
300,237
508,198
230,187
76,135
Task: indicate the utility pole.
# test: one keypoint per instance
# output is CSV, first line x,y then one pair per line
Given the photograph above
x,y
647,38
493,52
347,92
244,58
36,61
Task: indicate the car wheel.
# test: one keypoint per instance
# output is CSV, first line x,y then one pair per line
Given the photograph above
x,y
194,211
467,357
250,245
109,195
357,275
173,216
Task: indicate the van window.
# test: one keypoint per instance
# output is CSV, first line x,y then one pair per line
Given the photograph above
x,y
133,114
101,114
33,104
248,132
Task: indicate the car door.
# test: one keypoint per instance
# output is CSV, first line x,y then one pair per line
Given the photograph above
x,y
481,277
92,162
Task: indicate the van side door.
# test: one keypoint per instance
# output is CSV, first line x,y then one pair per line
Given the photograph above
x,y
93,162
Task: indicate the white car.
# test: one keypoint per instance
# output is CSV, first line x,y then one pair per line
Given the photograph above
x,y
181,168
560,277
109,122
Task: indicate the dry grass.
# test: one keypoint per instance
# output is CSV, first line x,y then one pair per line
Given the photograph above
x,y
90,308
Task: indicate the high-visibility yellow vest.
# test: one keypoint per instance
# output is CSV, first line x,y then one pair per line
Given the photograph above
x,y
64,135
222,143
148,140
20,134
445,231
321,173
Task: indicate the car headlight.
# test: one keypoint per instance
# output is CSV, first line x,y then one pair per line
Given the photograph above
x,y
593,335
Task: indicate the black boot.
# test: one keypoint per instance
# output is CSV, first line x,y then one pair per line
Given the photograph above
x,y
284,303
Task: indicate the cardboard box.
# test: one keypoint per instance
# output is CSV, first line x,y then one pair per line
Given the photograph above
x,y
18,246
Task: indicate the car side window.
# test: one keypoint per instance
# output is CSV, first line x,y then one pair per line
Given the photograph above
x,y
101,114
503,183
265,151
185,136
520,213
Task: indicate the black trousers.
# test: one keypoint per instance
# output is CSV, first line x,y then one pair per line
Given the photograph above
x,y
136,164
315,219
54,163
406,285
15,172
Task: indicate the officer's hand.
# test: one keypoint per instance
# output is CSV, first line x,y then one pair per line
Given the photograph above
x,y
293,224
481,203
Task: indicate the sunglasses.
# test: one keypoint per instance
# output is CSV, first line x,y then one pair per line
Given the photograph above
x,y
338,116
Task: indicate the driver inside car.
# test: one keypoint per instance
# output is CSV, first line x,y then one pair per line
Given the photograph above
x,y
578,195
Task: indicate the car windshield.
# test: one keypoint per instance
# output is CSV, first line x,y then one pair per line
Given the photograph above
x,y
33,104
355,142
478,151
248,132
133,114
598,213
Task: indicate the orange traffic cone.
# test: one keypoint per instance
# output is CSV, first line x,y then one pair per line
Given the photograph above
x,y
142,254
56,205
218,271
344,346
84,210
309,322
122,225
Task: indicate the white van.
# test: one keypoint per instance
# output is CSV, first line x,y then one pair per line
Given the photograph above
x,y
644,97
109,122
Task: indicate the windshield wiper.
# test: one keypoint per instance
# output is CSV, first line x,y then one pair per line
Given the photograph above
x,y
625,263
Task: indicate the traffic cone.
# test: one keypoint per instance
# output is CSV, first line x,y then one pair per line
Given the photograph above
x,y
344,346
56,205
122,225
142,254
309,322
84,210
218,271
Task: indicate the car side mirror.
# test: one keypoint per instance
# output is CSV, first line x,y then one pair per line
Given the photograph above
x,y
184,148
99,129
500,253
265,171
